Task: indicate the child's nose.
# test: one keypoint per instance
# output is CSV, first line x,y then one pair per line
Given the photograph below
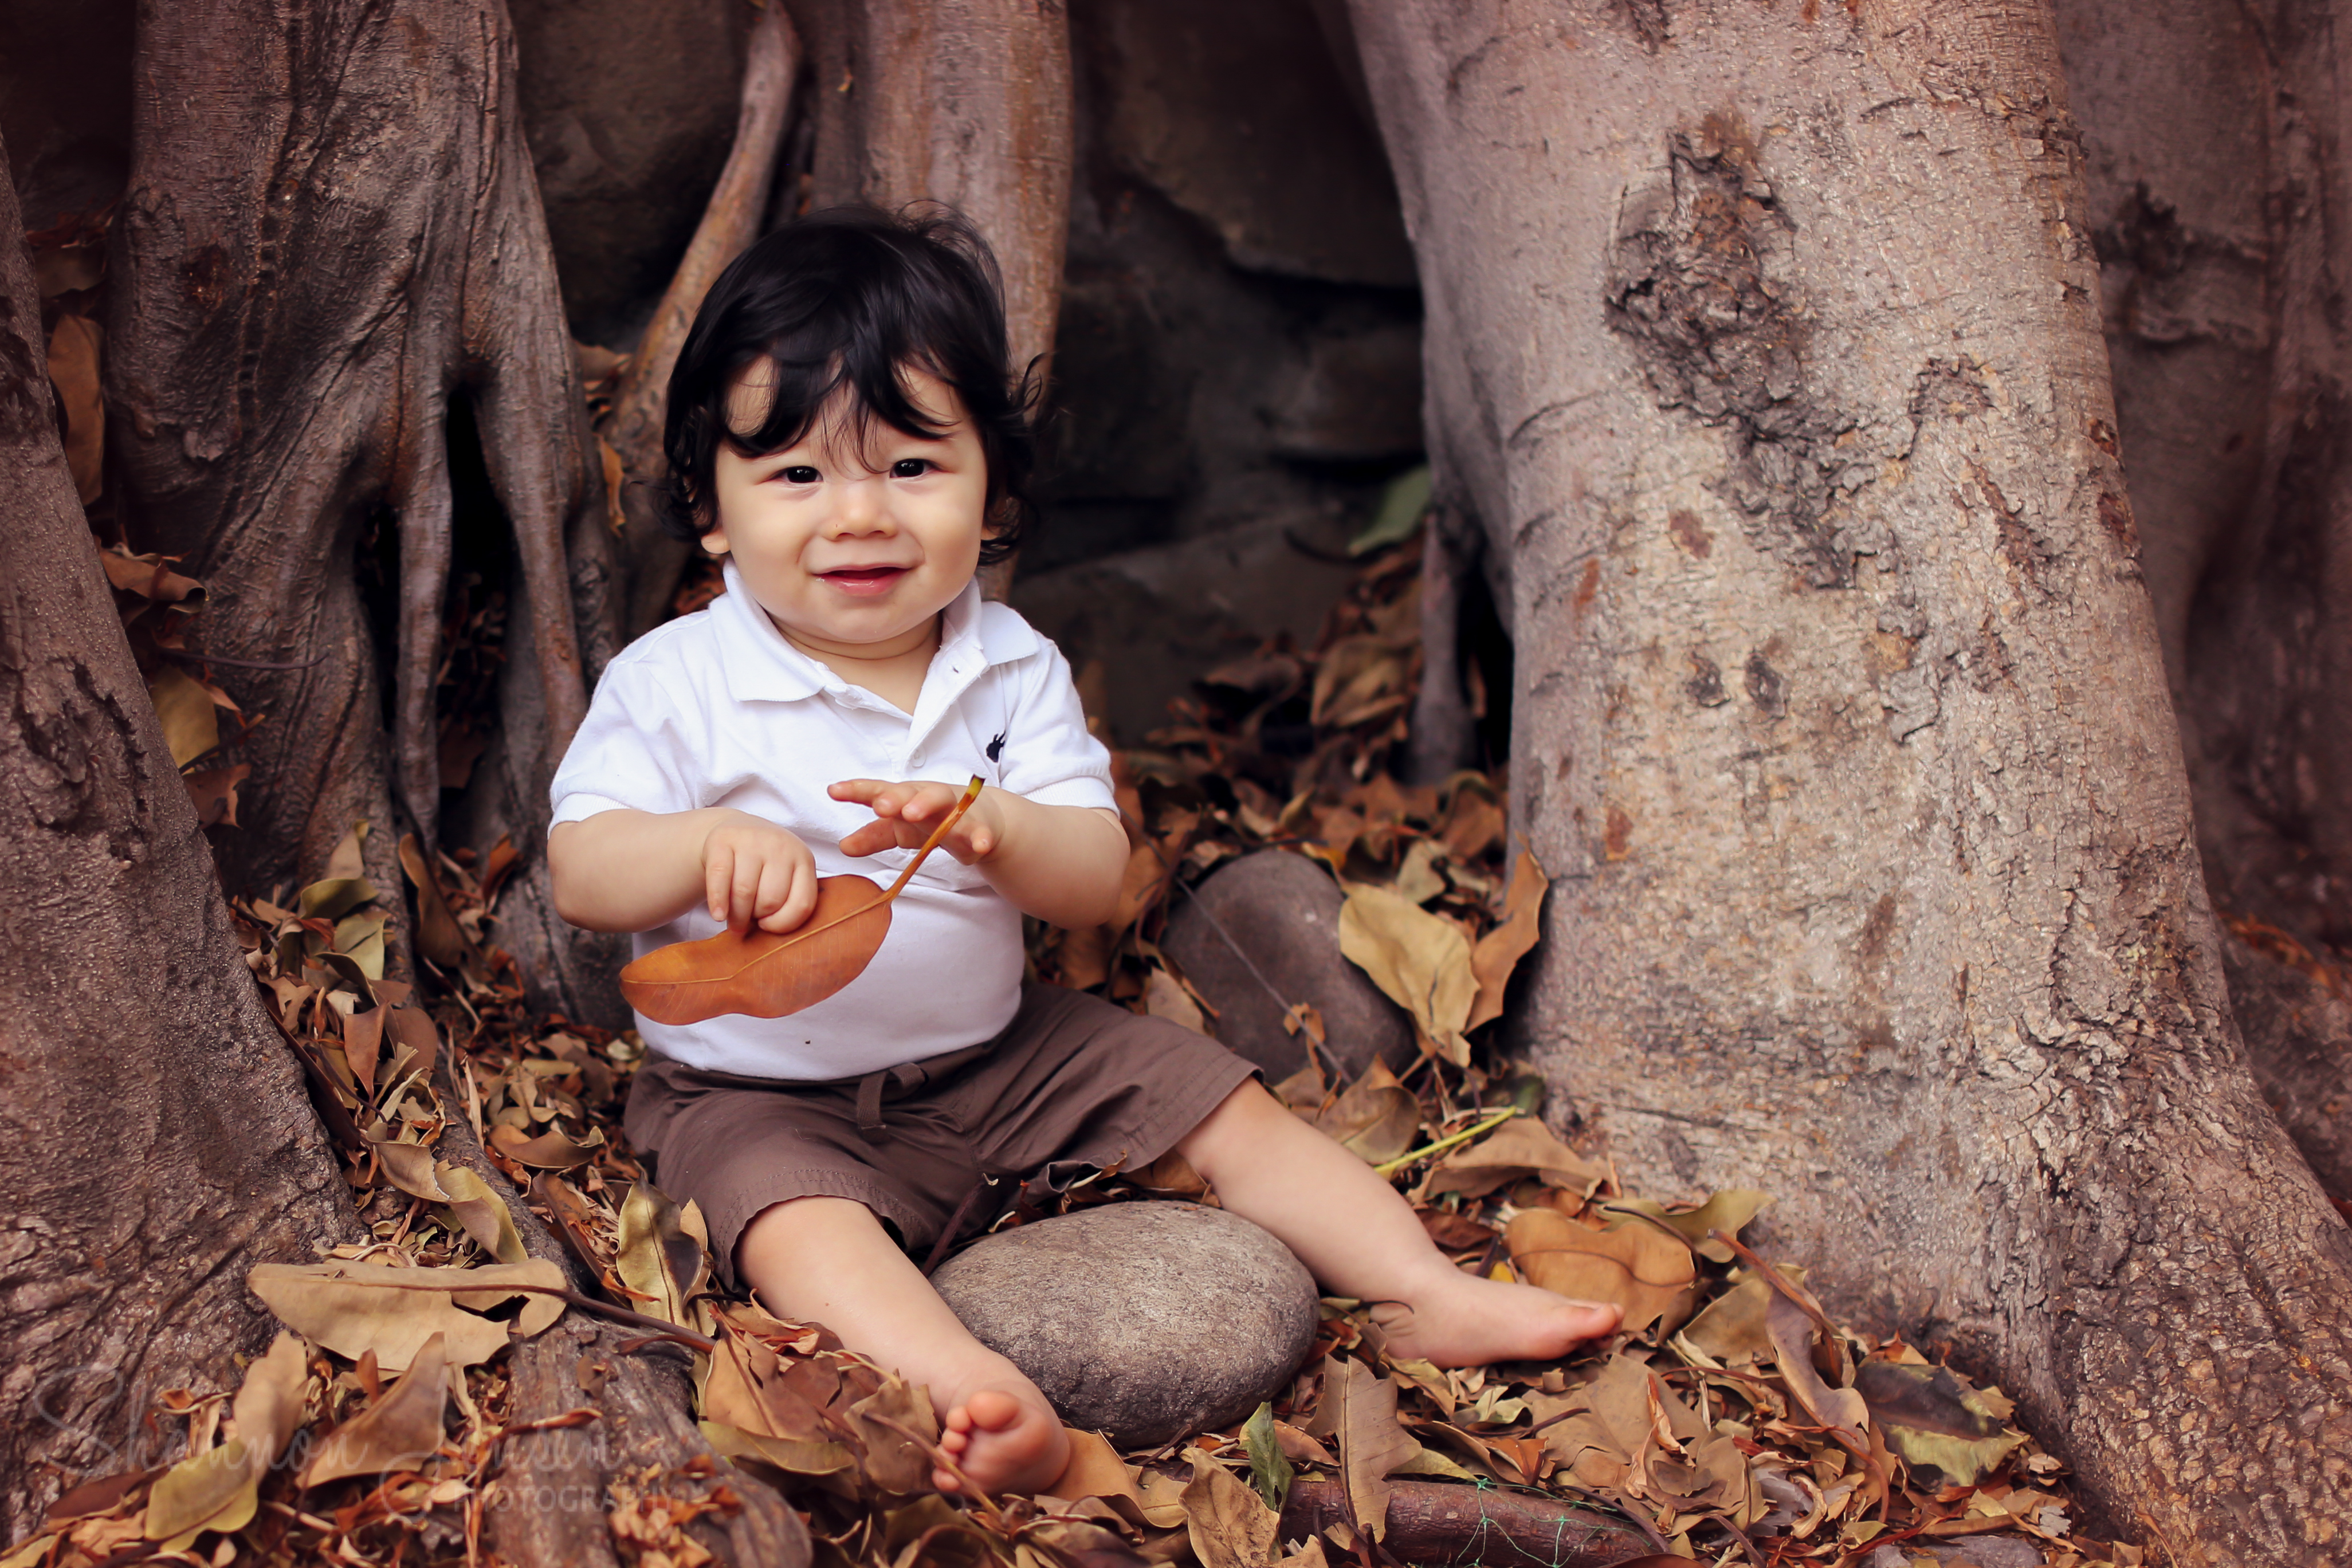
x,y
862,510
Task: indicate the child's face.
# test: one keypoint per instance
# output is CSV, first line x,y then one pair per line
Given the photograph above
x,y
854,551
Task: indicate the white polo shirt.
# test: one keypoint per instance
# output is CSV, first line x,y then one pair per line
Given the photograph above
x,y
718,709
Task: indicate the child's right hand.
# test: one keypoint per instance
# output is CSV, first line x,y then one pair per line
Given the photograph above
x,y
755,872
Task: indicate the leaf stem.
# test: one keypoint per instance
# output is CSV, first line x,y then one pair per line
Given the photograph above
x,y
1451,1140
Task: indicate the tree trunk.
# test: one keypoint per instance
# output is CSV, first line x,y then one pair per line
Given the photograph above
x,y
331,236
1765,344
154,1137
2214,158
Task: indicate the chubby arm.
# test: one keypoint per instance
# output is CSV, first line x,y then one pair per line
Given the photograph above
x,y
1061,863
632,871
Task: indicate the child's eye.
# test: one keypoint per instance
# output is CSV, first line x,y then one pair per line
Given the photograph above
x,y
910,467
801,473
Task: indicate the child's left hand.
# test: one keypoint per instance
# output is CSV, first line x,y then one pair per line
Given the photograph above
x,y
905,814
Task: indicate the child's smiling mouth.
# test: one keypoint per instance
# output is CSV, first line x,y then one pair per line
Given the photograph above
x,y
865,580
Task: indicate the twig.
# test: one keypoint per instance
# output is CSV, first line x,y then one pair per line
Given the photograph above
x,y
1450,1141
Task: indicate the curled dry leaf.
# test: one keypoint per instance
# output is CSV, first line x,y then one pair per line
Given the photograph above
x,y
352,1308
1792,1346
1375,1118
478,1206
1732,1329
1521,1147
217,1489
1728,1211
1499,951
1359,1412
1419,961
1931,1416
1095,1470
551,1151
1230,1525
1647,1273
661,1255
191,726
399,1431
73,369
764,973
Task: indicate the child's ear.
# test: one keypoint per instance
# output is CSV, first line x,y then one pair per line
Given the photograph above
x,y
714,539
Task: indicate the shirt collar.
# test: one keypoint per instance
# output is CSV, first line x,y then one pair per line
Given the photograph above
x,y
762,664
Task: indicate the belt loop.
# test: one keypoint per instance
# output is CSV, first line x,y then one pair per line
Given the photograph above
x,y
870,1103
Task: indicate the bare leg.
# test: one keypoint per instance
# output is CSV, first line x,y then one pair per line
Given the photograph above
x,y
1358,1236
828,1260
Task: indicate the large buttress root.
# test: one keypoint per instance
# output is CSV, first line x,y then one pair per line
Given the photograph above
x,y
730,221
2212,166
332,231
154,1138
1841,722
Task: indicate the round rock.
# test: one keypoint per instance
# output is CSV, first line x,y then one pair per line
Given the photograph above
x,y
1146,1320
1283,910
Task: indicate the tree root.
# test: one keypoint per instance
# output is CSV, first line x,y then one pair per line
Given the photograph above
x,y
1447,1523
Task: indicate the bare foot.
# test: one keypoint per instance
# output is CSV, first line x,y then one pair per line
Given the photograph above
x,y
1461,1319
1005,1439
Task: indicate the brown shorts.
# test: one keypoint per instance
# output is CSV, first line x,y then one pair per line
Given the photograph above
x,y
1073,1084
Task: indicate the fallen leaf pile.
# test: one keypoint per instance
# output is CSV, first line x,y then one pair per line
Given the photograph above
x,y
1730,1421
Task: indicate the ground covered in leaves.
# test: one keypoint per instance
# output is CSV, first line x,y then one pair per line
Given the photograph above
x,y
1731,1421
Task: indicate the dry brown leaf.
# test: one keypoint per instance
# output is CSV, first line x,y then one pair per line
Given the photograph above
x,y
191,724
1229,1524
150,576
213,792
1732,1328
551,1151
1419,961
1727,1211
399,1431
438,935
363,1043
1359,1412
1499,951
1521,1147
352,1308
656,1257
409,1167
1792,1351
1645,1272
1374,1117
1164,996
73,368
894,1462
763,974
1095,1470
485,1214
217,1489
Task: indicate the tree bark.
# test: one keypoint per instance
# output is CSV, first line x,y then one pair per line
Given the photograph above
x,y
332,233
1765,344
154,1137
772,58
2214,158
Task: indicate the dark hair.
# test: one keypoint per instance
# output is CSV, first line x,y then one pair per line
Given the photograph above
x,y
852,297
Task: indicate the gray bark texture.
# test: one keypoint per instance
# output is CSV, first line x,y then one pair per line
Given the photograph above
x,y
1765,344
2214,142
155,1136
331,234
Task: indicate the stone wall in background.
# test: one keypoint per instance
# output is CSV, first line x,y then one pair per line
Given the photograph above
x,y
1239,360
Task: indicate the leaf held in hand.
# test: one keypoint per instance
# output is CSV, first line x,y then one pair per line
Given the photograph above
x,y
768,974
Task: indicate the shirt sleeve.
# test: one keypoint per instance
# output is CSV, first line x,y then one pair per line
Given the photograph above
x,y
1052,758
631,753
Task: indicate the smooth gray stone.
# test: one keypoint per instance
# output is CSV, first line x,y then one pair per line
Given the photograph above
x,y
1283,910
1146,1320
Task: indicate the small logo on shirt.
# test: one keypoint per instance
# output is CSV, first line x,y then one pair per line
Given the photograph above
x,y
996,747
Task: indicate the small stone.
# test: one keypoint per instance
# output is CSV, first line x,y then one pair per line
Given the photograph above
x,y
1146,1320
1284,912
